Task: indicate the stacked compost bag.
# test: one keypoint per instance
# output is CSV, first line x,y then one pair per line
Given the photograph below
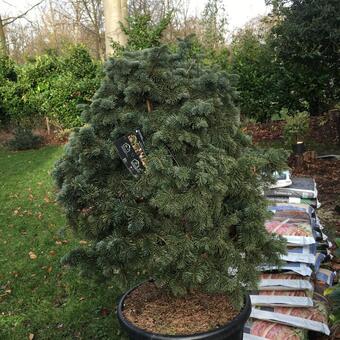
x,y
290,301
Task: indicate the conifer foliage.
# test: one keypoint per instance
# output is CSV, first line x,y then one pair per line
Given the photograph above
x,y
194,219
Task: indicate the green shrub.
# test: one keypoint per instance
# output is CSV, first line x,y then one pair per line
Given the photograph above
x,y
24,139
306,41
296,127
142,32
50,86
260,78
8,76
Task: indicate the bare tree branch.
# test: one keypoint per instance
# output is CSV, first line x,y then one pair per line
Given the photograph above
x,y
10,20
81,24
7,3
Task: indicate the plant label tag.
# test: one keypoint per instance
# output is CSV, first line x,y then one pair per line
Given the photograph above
x,y
131,151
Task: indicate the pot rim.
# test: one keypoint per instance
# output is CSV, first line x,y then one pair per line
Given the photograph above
x,y
240,318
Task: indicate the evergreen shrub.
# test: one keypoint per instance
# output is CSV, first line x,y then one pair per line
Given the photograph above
x,y
296,127
51,86
24,139
194,218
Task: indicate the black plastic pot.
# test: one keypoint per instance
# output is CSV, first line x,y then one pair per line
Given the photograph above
x,y
299,148
232,331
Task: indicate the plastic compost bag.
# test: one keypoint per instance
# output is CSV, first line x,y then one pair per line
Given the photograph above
x,y
274,331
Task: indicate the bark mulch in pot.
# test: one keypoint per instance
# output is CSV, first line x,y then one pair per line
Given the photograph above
x,y
152,309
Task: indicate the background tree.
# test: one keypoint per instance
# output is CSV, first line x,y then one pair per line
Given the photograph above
x,y
306,40
115,12
214,23
7,21
261,80
142,33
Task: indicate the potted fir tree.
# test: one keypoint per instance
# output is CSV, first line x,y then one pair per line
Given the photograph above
x,y
295,131
167,187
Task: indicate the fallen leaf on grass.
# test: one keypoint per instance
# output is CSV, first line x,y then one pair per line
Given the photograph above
x,y
58,243
82,242
31,336
39,215
47,199
52,253
32,255
104,312
49,269
16,211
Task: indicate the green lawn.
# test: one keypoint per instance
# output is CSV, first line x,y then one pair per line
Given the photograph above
x,y
37,295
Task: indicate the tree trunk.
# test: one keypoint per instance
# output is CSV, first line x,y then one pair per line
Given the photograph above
x,y
115,11
3,42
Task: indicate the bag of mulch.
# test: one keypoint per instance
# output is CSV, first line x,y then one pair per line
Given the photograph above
x,y
304,254
281,301
301,187
291,216
274,331
305,208
325,276
295,233
291,292
320,258
253,337
296,317
317,313
312,260
290,267
285,285
313,202
282,276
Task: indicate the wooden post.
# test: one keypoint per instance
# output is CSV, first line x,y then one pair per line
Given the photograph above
x,y
48,126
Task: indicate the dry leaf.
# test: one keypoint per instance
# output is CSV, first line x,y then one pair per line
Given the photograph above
x,y
82,242
47,199
58,243
49,269
32,255
31,336
52,253
104,312
16,211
